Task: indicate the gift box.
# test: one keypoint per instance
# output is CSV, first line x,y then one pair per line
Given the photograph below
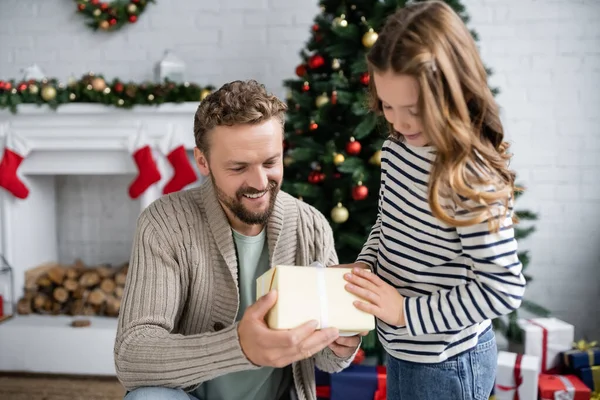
x,y
562,387
313,293
547,338
516,373
359,382
591,377
582,355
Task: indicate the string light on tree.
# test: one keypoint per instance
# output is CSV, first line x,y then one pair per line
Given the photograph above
x,y
335,64
340,21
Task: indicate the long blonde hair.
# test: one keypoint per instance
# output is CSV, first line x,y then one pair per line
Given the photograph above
x,y
429,41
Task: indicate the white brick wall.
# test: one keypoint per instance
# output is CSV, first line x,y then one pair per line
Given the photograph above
x,y
546,58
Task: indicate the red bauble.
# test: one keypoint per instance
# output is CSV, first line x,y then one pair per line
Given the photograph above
x,y
313,126
315,27
112,21
316,61
95,2
119,87
301,70
316,177
81,7
135,1
132,18
103,6
22,86
353,148
360,192
7,86
305,87
364,78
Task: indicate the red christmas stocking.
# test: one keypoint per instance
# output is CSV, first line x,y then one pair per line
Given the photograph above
x,y
148,173
183,172
15,151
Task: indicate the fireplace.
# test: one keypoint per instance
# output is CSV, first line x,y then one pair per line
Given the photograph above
x,y
85,147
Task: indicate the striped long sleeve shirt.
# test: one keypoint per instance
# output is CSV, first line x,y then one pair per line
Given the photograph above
x,y
454,280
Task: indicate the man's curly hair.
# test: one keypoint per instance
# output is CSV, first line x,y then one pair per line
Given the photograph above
x,y
235,103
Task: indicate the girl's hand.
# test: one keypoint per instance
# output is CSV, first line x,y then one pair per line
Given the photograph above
x,y
385,301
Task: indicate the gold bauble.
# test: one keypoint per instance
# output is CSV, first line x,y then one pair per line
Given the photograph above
x,y
104,25
340,21
98,84
287,161
335,64
339,214
376,158
48,93
34,89
132,8
338,159
369,38
322,100
204,93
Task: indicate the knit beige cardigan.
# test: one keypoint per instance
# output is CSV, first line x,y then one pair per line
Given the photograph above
x,y
177,324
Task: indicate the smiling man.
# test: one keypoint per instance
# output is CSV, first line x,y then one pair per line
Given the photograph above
x,y
189,327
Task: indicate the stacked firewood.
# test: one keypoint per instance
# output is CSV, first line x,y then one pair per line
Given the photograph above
x,y
76,289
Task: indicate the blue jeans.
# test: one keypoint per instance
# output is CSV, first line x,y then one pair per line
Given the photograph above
x,y
158,393
467,376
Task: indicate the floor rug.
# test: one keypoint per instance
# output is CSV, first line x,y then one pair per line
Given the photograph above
x,y
49,387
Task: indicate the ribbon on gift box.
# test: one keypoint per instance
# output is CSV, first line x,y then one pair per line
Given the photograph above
x,y
595,396
322,288
591,377
544,343
381,393
518,378
568,393
580,347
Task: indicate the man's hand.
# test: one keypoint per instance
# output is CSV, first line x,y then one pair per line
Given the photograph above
x,y
267,347
384,300
344,347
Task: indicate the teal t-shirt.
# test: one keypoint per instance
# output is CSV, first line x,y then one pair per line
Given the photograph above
x,y
261,384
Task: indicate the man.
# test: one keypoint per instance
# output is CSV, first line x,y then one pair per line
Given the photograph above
x,y
188,325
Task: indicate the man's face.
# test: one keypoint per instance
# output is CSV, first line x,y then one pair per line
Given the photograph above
x,y
245,166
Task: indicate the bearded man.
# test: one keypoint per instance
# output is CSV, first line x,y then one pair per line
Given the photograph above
x,y
189,327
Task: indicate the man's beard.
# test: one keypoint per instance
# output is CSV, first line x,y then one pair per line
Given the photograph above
x,y
240,211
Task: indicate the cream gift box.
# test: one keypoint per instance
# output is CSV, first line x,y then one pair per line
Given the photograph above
x,y
517,372
547,338
313,293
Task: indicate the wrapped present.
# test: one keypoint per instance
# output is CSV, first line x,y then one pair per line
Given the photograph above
x,y
359,382
547,338
313,293
591,377
584,354
516,376
562,387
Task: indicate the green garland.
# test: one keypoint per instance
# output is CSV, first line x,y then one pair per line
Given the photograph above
x,y
93,88
111,16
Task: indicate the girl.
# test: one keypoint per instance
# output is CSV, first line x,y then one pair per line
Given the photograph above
x,y
443,247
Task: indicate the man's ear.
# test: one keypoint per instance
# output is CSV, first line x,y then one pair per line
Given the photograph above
x,y
201,162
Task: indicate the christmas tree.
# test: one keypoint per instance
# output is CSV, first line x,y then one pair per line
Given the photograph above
x,y
332,141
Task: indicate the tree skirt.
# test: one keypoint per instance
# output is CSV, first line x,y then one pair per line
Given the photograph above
x,y
44,387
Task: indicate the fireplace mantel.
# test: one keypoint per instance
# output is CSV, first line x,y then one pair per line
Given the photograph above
x,y
99,134
75,139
